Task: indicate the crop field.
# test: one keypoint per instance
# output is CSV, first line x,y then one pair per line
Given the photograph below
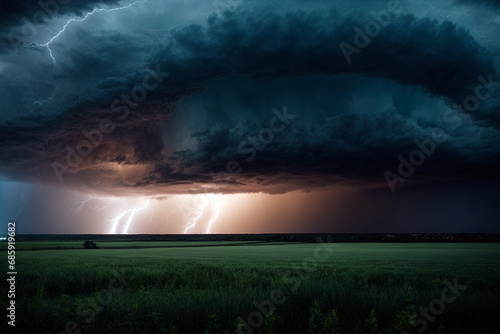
x,y
231,287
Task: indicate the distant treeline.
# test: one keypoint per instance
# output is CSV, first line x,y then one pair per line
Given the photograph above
x,y
326,237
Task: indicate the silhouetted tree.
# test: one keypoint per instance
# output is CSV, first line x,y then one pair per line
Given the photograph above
x,y
89,245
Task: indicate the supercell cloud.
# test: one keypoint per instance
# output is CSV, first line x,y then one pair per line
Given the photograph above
x,y
364,100
179,97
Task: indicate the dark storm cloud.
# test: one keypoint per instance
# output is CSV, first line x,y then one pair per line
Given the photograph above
x,y
13,11
147,145
441,58
344,149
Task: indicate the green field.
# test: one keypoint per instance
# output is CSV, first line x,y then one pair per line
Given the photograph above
x,y
203,287
56,245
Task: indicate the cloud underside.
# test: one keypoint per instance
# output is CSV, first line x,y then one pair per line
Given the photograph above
x,y
336,144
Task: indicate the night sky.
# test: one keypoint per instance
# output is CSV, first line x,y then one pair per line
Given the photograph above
x,y
250,116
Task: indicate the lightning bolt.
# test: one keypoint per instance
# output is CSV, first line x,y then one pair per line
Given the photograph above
x,y
82,203
214,218
195,219
96,10
131,213
214,205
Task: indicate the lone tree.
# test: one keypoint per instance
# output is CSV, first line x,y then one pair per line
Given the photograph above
x,y
89,245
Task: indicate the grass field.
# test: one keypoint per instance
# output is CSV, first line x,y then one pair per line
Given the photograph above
x,y
56,245
197,287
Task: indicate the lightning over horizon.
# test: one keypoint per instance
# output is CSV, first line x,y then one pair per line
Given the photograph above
x,y
115,222
210,200
133,212
214,218
203,214
192,221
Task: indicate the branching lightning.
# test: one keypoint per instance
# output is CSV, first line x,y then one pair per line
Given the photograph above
x,y
192,222
130,213
82,203
213,203
202,215
214,218
96,10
